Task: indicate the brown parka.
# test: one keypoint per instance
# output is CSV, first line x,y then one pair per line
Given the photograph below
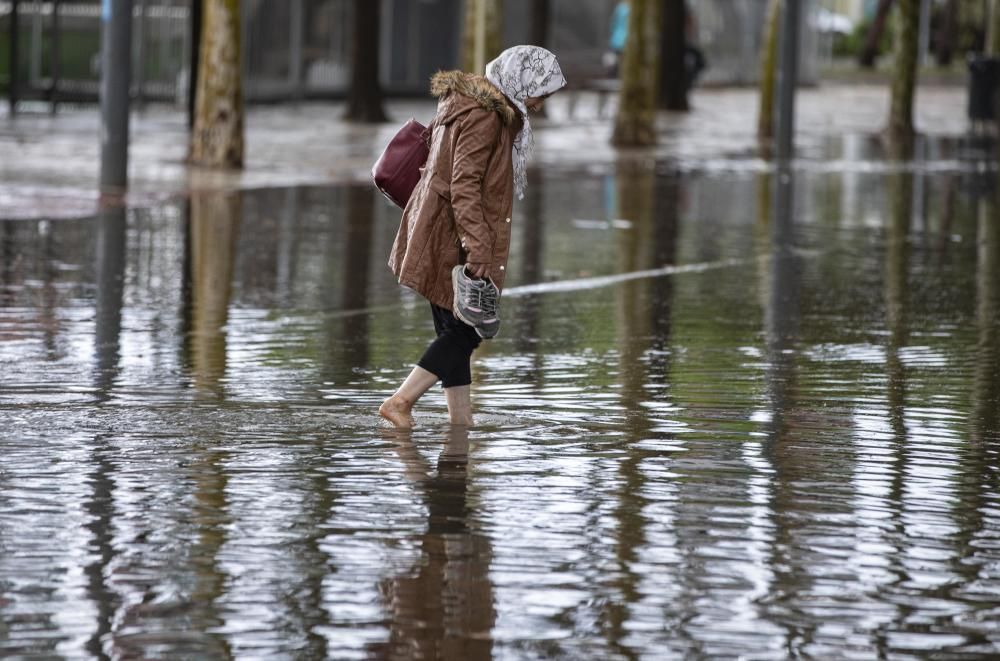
x,y
460,210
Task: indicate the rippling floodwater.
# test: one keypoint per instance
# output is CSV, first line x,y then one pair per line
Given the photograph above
x,y
707,429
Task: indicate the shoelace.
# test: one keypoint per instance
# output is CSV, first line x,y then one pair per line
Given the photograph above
x,y
481,296
488,299
474,295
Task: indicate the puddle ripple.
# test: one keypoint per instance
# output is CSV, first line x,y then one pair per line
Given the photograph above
x,y
792,453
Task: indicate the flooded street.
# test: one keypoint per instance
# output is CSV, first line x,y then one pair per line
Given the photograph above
x,y
709,427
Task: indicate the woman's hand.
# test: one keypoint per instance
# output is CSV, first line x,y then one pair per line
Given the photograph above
x,y
478,270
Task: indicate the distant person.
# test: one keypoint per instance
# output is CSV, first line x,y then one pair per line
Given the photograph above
x,y
454,236
694,59
619,35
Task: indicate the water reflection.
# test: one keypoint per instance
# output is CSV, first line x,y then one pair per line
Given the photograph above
x,y
978,477
8,262
443,606
636,200
532,252
111,245
635,205
211,519
986,395
781,551
900,190
349,335
786,451
100,508
781,315
214,229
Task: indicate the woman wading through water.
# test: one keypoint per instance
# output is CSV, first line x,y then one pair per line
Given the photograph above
x,y
454,236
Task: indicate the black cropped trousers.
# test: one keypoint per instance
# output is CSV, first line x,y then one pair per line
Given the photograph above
x,y
448,357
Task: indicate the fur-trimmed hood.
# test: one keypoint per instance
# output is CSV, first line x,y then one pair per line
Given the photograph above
x,y
464,89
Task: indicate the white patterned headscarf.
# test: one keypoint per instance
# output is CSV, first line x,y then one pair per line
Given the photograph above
x,y
521,72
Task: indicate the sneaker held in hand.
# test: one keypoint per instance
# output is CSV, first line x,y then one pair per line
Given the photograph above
x,y
476,303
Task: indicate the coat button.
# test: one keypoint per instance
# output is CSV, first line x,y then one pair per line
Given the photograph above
x,y
508,220
503,268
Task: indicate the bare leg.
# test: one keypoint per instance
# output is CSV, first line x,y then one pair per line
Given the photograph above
x,y
398,408
459,400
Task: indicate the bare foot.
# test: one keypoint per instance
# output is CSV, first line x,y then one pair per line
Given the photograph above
x,y
397,412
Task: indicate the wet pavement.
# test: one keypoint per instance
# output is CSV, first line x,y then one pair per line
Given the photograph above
x,y
49,165
723,419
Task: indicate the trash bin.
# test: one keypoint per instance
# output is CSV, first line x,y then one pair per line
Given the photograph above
x,y
984,77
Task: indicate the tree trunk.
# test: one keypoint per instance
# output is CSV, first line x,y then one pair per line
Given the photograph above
x,y
541,14
217,136
870,50
364,99
494,33
947,34
904,78
993,29
197,15
635,123
768,72
673,82
541,19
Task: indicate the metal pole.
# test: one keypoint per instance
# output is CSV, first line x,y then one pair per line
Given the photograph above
x,y
788,73
35,46
140,59
388,52
14,64
56,59
479,62
297,23
116,64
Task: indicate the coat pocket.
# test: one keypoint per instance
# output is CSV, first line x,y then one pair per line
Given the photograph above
x,y
441,187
